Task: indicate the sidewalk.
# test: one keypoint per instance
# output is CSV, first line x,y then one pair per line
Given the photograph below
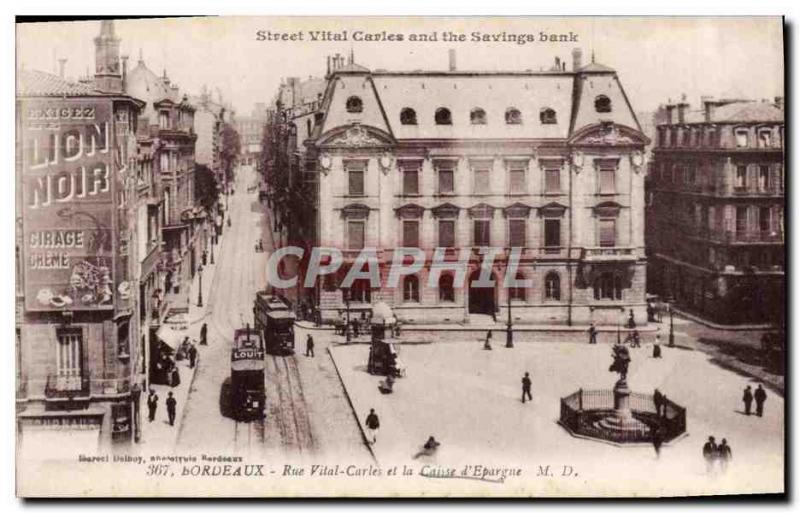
x,y
159,435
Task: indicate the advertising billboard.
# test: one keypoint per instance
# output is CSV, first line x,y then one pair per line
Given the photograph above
x,y
67,204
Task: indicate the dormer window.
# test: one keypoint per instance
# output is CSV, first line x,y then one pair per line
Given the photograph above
x,y
443,117
513,116
741,137
477,116
547,116
602,104
354,105
408,116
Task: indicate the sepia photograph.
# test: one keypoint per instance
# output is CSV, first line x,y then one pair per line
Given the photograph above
x,y
407,257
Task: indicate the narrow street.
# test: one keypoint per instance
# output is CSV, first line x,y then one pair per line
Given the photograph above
x,y
297,391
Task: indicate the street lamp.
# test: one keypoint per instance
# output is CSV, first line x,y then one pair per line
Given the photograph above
x,y
200,288
211,250
346,295
509,331
671,326
619,324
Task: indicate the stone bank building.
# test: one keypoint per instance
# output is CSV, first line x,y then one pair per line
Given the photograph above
x,y
550,162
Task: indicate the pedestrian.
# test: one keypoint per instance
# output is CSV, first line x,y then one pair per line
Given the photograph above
x,y
747,398
152,405
204,335
526,388
636,340
592,334
192,356
724,455
428,448
651,312
658,440
710,454
373,423
760,396
658,401
631,322
310,346
205,256
487,344
171,404
657,347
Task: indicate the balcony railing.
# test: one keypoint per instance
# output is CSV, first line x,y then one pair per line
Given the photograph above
x,y
609,253
730,237
67,386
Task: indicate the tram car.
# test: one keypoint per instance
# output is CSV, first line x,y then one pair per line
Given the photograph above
x,y
274,319
247,374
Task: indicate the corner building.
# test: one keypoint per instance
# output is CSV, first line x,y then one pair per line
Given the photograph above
x,y
550,162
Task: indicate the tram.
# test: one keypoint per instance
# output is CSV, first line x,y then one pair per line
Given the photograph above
x,y
275,321
247,374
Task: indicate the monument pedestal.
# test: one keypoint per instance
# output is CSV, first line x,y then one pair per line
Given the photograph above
x,y
622,420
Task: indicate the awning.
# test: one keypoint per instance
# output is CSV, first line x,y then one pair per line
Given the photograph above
x,y
171,336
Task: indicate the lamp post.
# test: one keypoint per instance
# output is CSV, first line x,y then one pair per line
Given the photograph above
x,y
671,326
211,249
136,394
200,288
509,331
619,325
346,295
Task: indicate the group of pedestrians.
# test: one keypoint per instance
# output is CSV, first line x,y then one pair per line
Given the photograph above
x,y
716,455
760,397
152,406
373,424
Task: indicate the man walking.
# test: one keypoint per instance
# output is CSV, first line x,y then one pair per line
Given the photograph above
x,y
373,424
747,398
310,346
192,356
487,344
526,388
152,404
592,334
710,454
171,404
760,396
204,334
724,455
658,400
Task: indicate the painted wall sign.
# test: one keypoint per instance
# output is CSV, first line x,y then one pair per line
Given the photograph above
x,y
67,199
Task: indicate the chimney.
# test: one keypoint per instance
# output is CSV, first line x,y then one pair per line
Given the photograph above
x,y
451,54
670,108
124,72
577,56
62,62
708,108
558,64
682,108
779,102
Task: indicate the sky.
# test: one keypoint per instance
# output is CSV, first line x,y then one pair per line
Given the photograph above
x,y
656,58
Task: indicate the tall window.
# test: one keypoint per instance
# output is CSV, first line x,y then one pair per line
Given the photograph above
x,y
516,233
607,178
355,234
68,359
481,232
361,292
763,178
408,116
552,234
765,138
354,104
552,180
602,104
481,177
355,178
518,293
477,116
411,289
608,285
411,233
516,177
765,219
552,286
444,171
741,137
513,116
163,120
443,117
607,232
410,172
741,177
447,233
446,292
741,219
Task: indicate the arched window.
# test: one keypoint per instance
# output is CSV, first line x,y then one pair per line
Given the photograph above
x,y
354,104
477,116
547,116
408,116
513,116
602,103
446,292
443,116
552,286
608,285
411,289
518,293
361,292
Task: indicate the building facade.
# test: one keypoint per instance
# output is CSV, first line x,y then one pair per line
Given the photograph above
x,y
716,210
76,297
251,132
547,163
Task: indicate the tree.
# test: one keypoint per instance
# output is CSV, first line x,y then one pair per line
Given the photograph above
x,y
205,186
230,147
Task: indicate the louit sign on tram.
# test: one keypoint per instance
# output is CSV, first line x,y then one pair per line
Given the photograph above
x,y
67,204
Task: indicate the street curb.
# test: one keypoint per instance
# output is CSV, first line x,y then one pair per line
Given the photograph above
x,y
352,408
186,401
723,327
